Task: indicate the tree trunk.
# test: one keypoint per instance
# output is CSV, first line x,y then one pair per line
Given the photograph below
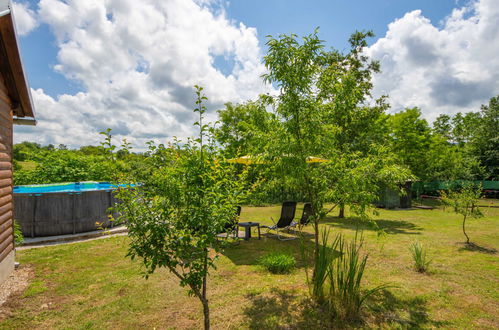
x,y
206,313
341,215
464,231
204,300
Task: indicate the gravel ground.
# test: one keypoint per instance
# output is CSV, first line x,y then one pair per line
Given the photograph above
x,y
16,282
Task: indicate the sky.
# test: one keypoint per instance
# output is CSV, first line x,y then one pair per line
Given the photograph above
x,y
131,65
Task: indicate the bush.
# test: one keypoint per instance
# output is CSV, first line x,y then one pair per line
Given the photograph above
x,y
421,263
18,234
278,263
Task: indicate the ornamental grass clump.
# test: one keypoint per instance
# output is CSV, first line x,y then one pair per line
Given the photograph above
x,y
337,282
421,262
278,263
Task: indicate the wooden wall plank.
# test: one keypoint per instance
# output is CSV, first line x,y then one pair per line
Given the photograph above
x,y
6,208
6,225
5,199
5,174
6,242
5,234
5,182
6,251
4,217
5,191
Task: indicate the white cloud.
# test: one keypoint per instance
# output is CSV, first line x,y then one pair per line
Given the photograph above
x,y
24,17
138,62
454,68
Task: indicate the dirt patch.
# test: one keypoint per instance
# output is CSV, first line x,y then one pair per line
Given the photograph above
x,y
14,285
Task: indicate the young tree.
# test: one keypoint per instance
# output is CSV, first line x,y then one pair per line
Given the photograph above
x,y
464,202
175,214
326,110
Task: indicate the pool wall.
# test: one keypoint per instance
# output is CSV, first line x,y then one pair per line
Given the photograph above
x,y
49,214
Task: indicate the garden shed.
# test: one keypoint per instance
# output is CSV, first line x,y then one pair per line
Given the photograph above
x,y
15,108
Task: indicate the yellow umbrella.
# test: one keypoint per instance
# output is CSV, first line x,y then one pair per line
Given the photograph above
x,y
312,159
249,160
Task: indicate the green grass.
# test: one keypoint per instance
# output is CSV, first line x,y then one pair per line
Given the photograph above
x,y
28,165
92,285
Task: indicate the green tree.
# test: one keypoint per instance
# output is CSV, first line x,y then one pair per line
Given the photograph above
x,y
443,126
244,128
25,150
464,202
485,144
411,140
325,95
464,127
447,161
174,215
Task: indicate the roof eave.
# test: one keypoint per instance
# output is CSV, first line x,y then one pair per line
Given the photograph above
x,y
11,64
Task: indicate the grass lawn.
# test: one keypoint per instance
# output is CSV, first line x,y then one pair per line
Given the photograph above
x,y
28,165
92,285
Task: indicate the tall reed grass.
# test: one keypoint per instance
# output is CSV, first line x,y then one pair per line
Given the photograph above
x,y
421,262
337,279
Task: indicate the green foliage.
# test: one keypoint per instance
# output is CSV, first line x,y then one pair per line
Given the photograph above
x,y
411,139
418,252
278,263
18,234
176,212
90,163
66,166
485,143
326,110
440,153
465,202
243,128
337,281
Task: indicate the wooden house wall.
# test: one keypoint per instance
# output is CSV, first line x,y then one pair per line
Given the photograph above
x,y
6,216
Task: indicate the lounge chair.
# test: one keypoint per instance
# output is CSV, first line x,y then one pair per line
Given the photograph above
x,y
287,215
305,217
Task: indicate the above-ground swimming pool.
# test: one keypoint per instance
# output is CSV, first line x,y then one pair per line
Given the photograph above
x,y
65,208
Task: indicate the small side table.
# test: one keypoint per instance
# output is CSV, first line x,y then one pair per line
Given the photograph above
x,y
247,229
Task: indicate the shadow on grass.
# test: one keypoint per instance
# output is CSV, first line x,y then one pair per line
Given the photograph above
x,y
280,309
412,313
477,248
249,252
389,226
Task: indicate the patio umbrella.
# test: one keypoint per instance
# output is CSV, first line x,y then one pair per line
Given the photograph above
x,y
249,160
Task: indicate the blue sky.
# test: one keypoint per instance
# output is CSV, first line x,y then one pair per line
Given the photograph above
x,y
130,65
337,19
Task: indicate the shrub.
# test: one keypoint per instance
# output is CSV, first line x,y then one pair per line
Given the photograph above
x,y
18,234
278,263
337,283
421,263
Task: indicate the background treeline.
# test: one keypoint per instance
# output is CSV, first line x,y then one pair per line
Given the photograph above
x,y
459,147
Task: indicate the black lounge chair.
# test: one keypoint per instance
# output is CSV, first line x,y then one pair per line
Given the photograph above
x,y
285,221
305,217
